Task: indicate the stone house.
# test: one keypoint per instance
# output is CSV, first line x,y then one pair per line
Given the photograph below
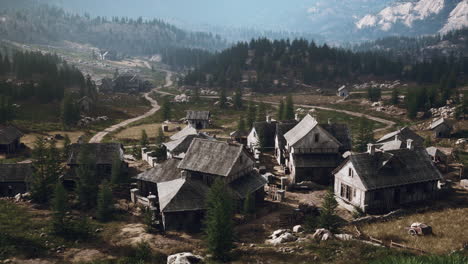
x,y
9,139
262,135
14,178
441,128
381,181
198,119
313,150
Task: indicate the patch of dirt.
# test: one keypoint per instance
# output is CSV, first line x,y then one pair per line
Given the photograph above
x,y
76,255
169,243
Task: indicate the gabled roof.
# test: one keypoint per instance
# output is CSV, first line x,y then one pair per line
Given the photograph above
x,y
281,129
392,145
15,172
300,130
341,88
248,184
403,135
439,122
211,157
182,195
163,172
188,130
268,131
8,134
394,168
182,144
435,152
101,153
198,115
341,133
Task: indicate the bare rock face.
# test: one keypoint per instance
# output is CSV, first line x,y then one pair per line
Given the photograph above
x,y
184,258
281,236
322,234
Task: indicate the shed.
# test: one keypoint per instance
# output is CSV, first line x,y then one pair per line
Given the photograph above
x,y
441,128
198,119
343,91
15,178
9,139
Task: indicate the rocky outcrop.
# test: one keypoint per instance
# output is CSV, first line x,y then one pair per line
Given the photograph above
x,y
184,258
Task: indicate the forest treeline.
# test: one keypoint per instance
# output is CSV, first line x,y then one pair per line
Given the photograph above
x,y
44,24
279,65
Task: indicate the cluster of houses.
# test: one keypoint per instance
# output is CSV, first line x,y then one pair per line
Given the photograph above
x,y
395,171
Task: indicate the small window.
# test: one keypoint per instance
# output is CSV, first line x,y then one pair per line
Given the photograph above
x,y
317,138
350,172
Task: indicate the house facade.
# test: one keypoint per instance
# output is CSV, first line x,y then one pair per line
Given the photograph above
x,y
343,91
9,139
262,135
14,179
198,119
441,128
381,181
313,151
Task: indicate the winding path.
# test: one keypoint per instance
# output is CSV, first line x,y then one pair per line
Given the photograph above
x,y
155,107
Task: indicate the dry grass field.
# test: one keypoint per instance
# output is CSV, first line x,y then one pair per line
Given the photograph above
x,y
134,133
448,219
29,139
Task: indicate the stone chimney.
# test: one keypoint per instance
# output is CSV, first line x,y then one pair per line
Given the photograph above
x,y
330,122
409,144
371,149
268,119
396,138
297,117
184,174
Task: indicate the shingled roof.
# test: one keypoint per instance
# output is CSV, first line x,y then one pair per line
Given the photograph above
x,y
15,172
403,135
211,157
439,122
188,130
409,166
182,195
8,134
162,172
248,184
182,144
268,131
101,153
300,130
198,115
341,133
283,128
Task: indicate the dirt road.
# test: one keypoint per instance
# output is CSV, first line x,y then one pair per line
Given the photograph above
x,y
155,107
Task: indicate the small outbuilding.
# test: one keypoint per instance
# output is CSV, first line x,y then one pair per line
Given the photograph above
x,y
9,139
343,91
198,119
441,128
14,179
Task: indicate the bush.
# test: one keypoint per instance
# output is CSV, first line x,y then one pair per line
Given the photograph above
x,y
450,259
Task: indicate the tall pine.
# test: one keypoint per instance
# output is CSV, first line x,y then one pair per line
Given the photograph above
x,y
104,203
289,109
59,208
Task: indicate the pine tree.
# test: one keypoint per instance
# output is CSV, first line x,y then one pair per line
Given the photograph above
x,y
104,202
238,99
166,109
196,94
365,134
280,114
59,208
289,109
261,112
7,111
66,147
69,112
395,100
87,183
241,125
117,175
251,114
219,226
160,136
222,98
144,142
328,218
249,204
